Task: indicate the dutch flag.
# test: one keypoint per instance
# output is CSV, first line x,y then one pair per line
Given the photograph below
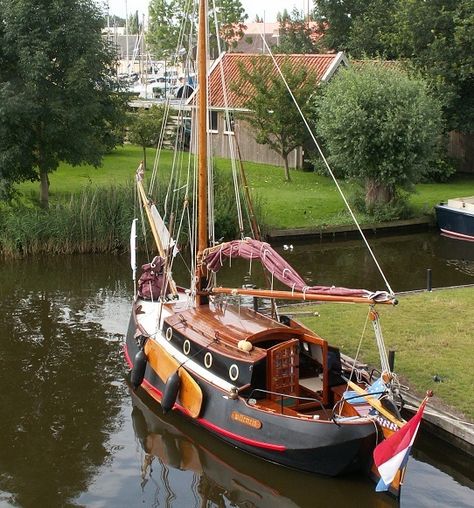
x,y
391,455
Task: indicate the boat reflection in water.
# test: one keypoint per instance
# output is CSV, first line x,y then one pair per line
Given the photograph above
x,y
224,476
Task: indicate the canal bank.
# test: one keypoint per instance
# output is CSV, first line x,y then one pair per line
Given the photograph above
x,y
437,421
417,225
443,424
440,421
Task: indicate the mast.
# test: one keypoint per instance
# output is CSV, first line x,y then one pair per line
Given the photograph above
x,y
202,147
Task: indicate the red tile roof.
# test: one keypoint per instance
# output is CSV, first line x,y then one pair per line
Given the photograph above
x,y
317,64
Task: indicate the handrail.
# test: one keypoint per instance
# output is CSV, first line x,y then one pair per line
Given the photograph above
x,y
287,396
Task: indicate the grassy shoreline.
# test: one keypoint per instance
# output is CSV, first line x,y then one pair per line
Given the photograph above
x,y
431,333
309,200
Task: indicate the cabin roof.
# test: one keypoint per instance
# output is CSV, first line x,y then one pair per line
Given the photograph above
x,y
228,326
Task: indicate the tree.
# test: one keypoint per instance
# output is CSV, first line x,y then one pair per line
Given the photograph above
x,y
115,20
57,100
380,127
371,31
296,33
167,18
335,18
359,27
134,25
274,115
145,128
438,38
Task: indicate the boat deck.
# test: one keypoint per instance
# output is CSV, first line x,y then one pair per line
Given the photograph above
x,y
465,204
223,328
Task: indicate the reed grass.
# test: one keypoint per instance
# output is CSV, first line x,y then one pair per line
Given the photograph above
x,y
97,219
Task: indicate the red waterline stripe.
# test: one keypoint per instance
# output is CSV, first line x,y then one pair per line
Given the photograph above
x,y
127,356
236,437
212,426
458,235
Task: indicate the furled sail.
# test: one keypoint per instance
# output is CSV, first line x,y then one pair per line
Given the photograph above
x,y
168,242
249,248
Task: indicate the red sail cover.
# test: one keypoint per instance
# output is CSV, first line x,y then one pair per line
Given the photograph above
x,y
215,257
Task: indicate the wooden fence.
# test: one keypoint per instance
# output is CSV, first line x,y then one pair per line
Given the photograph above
x,y
461,147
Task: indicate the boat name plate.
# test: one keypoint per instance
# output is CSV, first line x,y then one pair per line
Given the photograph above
x,y
246,420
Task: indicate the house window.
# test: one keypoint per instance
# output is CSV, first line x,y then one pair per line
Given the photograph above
x,y
229,122
213,121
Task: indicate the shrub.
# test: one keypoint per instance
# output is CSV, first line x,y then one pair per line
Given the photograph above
x,y
381,128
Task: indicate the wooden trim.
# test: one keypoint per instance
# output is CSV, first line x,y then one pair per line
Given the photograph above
x,y
314,339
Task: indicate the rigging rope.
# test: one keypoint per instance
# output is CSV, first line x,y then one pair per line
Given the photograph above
x,y
313,137
227,123
189,7
358,348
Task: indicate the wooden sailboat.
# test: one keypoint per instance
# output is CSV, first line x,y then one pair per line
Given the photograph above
x,y
267,385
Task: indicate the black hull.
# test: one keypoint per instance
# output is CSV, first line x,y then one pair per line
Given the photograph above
x,y
243,478
321,447
455,223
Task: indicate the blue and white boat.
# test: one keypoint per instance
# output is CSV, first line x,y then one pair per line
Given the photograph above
x,y
456,218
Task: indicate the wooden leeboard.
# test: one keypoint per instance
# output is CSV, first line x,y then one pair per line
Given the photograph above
x,y
190,394
375,403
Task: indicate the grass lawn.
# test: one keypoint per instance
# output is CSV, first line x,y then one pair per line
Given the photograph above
x,y
309,200
430,333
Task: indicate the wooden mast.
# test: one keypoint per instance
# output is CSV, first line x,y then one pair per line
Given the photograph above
x,y
202,148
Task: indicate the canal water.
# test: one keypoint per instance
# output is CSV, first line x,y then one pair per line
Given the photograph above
x,y
73,435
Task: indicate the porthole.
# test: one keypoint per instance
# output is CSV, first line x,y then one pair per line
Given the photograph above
x,y
208,360
186,347
233,372
169,333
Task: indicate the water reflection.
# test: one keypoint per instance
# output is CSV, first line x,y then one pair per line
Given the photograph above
x,y
404,260
223,476
59,400
451,461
